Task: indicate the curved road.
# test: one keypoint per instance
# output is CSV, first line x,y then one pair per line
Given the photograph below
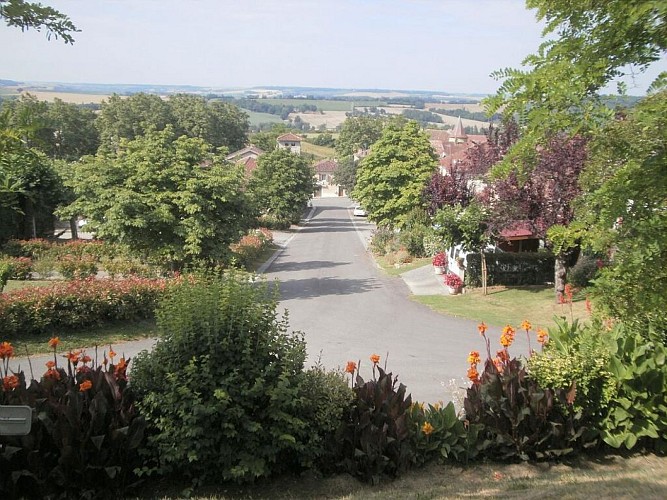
x,y
349,309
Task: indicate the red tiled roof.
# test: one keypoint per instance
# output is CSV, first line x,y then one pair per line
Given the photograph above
x,y
289,137
250,164
249,149
325,166
520,230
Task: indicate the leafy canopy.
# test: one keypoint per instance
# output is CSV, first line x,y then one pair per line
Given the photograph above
x,y
391,179
27,15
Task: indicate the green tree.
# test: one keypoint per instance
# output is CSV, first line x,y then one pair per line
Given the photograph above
x,y
346,173
267,140
170,198
282,184
391,179
31,15
625,209
358,132
129,118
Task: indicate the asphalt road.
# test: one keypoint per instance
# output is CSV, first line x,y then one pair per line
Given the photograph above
x,y
349,309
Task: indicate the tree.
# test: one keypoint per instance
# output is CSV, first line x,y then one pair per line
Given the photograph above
x,y
358,132
543,199
391,179
30,15
624,206
169,198
282,184
447,190
346,173
267,140
596,43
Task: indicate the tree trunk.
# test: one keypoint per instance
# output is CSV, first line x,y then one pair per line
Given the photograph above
x,y
74,228
560,272
484,273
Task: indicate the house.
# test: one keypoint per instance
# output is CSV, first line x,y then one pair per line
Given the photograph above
x,y
324,176
247,156
290,141
451,146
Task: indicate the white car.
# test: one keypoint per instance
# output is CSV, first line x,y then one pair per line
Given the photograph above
x,y
359,212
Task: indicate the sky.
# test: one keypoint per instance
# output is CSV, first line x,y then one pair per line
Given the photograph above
x,y
444,45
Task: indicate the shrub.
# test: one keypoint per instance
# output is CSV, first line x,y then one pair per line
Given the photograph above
x,y
637,413
382,240
518,417
77,304
5,273
376,437
511,269
413,240
220,391
580,356
20,267
124,267
76,267
85,432
251,246
26,248
433,244
439,434
583,272
272,222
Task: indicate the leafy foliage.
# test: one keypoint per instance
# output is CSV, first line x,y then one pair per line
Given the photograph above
x,y
168,198
358,132
375,437
637,414
31,15
282,184
85,433
221,389
390,180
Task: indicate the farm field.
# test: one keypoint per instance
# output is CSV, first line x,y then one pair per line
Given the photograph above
x,y
74,98
318,151
257,118
330,119
326,104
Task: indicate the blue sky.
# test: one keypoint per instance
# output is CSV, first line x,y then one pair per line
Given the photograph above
x,y
448,45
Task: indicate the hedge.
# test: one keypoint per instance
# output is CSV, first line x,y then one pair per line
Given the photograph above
x,y
511,269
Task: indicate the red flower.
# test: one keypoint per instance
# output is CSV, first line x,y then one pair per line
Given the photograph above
x,y
473,374
50,364
375,359
351,367
85,386
482,328
10,382
6,350
53,343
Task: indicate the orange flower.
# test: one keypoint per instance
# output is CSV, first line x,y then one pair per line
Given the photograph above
x,y
85,385
589,306
542,336
10,382
525,325
73,356
120,369
427,428
506,340
351,367
86,359
112,354
503,355
53,343
569,292
50,365
6,350
498,363
375,359
482,328
508,330
473,357
473,374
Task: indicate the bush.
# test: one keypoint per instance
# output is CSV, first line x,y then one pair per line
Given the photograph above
x,y
376,436
272,222
583,272
382,240
519,418
250,247
413,240
17,268
637,413
433,244
26,248
220,391
511,269
85,432
578,355
77,304
5,273
76,267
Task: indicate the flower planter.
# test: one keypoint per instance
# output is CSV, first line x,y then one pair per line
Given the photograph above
x,y
454,290
439,269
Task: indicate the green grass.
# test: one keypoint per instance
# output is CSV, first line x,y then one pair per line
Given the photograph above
x,y
17,285
596,476
257,118
319,151
76,339
404,268
505,305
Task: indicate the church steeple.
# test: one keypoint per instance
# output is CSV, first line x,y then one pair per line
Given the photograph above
x,y
458,135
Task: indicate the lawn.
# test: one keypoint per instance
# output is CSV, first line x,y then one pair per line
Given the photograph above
x,y
505,305
258,118
601,476
319,151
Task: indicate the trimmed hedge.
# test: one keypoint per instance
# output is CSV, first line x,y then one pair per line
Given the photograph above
x,y
77,304
511,269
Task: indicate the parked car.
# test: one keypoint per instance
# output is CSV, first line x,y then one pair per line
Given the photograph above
x,y
359,211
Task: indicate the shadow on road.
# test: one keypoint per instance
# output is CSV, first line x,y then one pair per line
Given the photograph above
x,y
317,287
309,264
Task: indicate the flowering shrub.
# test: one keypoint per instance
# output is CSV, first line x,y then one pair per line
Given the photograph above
x,y
77,304
26,248
80,267
440,259
519,418
250,246
375,437
85,433
453,281
18,268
